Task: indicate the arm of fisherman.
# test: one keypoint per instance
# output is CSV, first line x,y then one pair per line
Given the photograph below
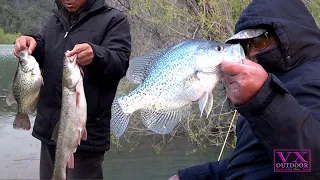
x,y
38,52
279,119
112,56
212,170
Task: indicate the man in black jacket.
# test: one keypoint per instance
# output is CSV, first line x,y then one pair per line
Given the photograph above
x,y
277,94
100,36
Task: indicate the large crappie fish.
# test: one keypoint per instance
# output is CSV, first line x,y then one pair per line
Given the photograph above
x,y
170,81
25,90
71,127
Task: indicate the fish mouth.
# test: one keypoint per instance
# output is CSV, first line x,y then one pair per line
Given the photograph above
x,y
70,59
234,53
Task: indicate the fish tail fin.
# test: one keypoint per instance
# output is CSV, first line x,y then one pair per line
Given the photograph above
x,y
119,120
22,121
163,122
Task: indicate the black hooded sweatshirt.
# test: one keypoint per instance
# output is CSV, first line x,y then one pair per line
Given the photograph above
x,y
107,30
285,114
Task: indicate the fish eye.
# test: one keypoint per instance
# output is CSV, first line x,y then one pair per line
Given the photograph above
x,y
219,48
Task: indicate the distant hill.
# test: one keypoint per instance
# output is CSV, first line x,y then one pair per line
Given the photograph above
x,y
24,16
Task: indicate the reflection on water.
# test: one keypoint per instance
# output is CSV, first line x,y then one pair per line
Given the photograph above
x,y
19,152
143,163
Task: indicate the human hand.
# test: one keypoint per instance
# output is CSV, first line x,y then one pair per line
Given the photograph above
x,y
23,43
175,177
243,81
84,53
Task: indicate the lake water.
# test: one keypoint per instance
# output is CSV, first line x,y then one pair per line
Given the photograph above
x,y
19,152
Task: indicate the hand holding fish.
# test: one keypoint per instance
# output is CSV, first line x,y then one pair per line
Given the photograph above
x,y
84,53
23,43
243,81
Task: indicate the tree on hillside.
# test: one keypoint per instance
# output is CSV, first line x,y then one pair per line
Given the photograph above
x,y
26,17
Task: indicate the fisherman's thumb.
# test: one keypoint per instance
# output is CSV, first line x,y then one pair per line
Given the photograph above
x,y
31,43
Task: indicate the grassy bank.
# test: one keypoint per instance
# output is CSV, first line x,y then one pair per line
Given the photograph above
x,y
8,38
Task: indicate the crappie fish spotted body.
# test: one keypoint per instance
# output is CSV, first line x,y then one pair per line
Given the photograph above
x,y
170,81
25,90
71,127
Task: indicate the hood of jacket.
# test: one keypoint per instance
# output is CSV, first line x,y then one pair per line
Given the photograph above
x,y
295,27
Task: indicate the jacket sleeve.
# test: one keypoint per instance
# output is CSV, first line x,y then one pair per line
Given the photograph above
x,y
38,52
112,56
212,170
287,120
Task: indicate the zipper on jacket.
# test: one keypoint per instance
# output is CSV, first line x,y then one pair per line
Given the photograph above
x,y
66,34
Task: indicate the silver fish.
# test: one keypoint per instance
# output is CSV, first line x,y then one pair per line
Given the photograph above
x,y
71,127
170,81
25,89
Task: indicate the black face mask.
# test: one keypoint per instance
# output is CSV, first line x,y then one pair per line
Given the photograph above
x,y
272,60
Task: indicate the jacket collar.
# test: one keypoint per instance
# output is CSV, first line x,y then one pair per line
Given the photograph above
x,y
90,7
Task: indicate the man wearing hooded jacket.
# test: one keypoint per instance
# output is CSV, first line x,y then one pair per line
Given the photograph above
x,y
100,36
277,93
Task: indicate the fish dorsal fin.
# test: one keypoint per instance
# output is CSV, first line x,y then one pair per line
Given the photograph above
x,y
10,98
139,66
